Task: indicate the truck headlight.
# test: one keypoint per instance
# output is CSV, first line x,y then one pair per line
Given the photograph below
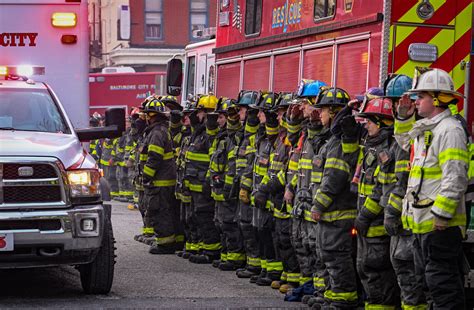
x,y
84,185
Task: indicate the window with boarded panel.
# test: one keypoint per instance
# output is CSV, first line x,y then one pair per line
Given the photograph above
x,y
352,62
228,80
317,64
256,74
285,72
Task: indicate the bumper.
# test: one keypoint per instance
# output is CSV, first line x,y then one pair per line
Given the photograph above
x,y
52,237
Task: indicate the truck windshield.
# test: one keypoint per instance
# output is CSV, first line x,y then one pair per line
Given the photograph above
x,y
30,110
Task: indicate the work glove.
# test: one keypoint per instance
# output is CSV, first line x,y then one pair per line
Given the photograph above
x,y
405,107
194,119
252,117
260,199
244,196
176,116
392,224
362,225
211,120
271,118
349,126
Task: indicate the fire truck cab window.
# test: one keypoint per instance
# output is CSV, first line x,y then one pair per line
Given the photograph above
x,y
190,75
253,16
324,9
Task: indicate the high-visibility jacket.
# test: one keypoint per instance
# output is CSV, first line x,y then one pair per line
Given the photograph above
x,y
198,158
160,167
334,199
246,155
107,150
439,171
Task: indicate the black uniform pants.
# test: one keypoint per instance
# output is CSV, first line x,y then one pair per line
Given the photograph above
x,y
411,285
335,251
282,237
231,238
375,271
438,256
160,214
203,210
142,205
249,235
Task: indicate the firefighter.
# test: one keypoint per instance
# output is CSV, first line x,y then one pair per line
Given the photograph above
x,y
94,145
140,158
159,179
107,163
222,161
395,161
373,243
137,126
122,171
434,207
182,192
197,165
262,219
334,205
272,189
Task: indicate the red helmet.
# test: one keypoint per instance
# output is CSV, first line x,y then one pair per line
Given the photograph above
x,y
379,107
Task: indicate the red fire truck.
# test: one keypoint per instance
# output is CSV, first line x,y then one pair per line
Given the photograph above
x,y
127,89
351,44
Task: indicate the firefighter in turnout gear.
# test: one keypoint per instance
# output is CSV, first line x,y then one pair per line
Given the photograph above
x,y
396,162
373,243
222,161
182,192
434,205
137,125
243,182
95,145
108,164
334,205
197,166
262,219
159,179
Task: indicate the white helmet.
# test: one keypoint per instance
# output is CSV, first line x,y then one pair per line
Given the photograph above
x,y
433,80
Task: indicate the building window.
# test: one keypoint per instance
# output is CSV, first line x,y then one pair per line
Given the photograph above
x,y
198,15
153,19
324,9
191,69
253,16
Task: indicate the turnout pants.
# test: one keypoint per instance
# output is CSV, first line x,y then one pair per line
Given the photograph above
x,y
110,173
249,236
320,274
282,237
231,238
300,239
160,214
439,256
411,285
267,253
375,271
335,251
190,227
203,209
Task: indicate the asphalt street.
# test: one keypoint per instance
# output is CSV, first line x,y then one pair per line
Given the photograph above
x,y
141,280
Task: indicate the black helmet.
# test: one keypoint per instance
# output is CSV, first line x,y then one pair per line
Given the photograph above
x,y
247,98
171,102
266,101
224,104
155,106
284,100
333,97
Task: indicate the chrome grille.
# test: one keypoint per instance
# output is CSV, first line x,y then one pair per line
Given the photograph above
x,y
40,187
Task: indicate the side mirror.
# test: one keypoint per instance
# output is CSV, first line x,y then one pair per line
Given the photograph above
x,y
174,77
114,126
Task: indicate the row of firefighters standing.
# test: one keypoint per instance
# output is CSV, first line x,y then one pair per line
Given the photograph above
x,y
315,190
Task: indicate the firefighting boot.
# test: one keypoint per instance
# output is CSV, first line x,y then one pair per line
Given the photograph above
x,y
179,253
148,240
248,272
264,280
161,249
262,274
285,288
317,301
188,254
138,237
201,259
216,263
231,265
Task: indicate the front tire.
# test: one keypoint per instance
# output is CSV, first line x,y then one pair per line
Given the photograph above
x,y
97,276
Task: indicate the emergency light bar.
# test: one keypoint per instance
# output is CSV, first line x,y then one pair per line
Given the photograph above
x,y
64,20
22,70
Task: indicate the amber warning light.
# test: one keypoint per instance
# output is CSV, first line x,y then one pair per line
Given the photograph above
x,y
64,20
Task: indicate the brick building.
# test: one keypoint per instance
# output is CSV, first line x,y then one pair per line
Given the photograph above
x,y
159,29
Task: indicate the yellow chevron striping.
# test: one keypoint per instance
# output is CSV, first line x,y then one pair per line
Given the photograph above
x,y
461,25
459,76
441,40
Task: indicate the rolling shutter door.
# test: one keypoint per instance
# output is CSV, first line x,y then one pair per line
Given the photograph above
x,y
317,64
228,80
256,74
352,62
285,72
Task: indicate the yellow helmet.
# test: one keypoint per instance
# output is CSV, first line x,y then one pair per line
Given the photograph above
x,y
208,102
